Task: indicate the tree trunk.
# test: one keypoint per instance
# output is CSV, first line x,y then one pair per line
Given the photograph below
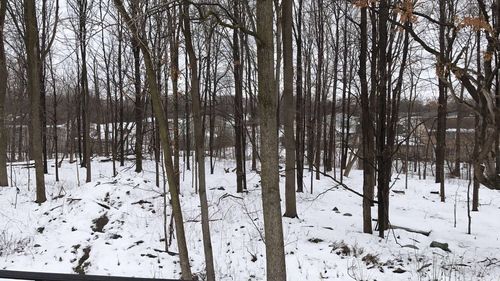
x,y
32,51
165,142
319,97
442,104
299,108
287,19
54,116
174,74
382,154
84,87
273,229
239,146
98,119
330,163
4,180
199,145
366,127
139,103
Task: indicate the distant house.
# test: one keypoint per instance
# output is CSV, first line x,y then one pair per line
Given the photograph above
x,y
422,136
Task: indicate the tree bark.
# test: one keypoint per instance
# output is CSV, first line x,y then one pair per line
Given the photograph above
x,y
382,154
290,200
33,52
366,127
239,146
299,109
4,180
139,102
82,39
199,140
273,229
174,74
165,142
442,104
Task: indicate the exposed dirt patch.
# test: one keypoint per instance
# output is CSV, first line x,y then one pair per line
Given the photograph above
x,y
83,264
99,223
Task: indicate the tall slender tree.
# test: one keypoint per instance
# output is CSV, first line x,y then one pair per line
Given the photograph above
x,y
299,106
238,108
273,228
139,101
33,71
287,19
442,101
165,141
4,180
199,140
367,126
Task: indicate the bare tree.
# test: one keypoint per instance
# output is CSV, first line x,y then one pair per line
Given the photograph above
x,y
238,109
4,181
367,126
33,52
289,108
273,229
300,108
139,102
199,143
164,138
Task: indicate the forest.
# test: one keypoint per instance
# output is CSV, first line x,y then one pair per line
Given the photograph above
x,y
251,140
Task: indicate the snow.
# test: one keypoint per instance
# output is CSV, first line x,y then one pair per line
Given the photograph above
x,y
325,242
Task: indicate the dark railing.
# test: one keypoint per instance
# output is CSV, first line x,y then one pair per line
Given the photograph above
x,y
43,276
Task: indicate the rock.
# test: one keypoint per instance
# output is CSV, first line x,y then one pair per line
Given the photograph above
x,y
315,240
348,215
442,246
399,270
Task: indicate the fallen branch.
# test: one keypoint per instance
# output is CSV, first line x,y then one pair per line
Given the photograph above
x,y
426,233
423,232
424,267
228,195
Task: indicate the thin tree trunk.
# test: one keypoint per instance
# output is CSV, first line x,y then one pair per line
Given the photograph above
x,y
238,110
330,163
139,103
442,104
54,116
82,37
299,108
174,74
4,180
199,144
366,124
287,19
165,141
98,121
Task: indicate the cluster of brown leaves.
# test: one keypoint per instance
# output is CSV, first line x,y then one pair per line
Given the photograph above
x,y
488,56
476,23
363,3
405,10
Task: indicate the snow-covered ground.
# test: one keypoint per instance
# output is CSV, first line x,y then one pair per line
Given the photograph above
x,y
325,242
